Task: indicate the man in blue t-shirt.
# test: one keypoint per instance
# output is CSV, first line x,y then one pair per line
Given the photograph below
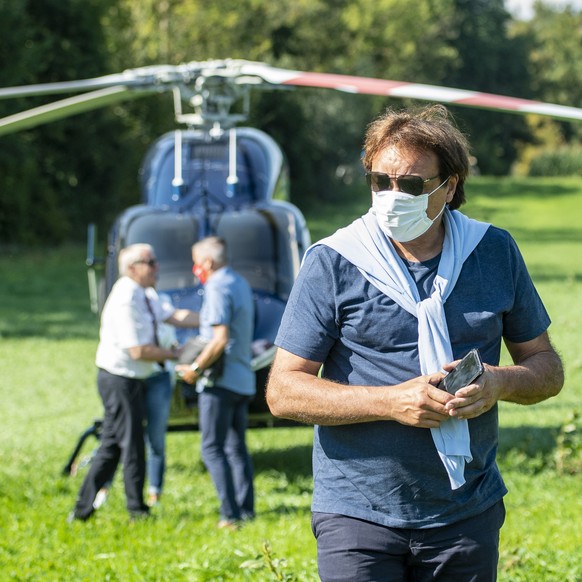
x,y
406,486
226,325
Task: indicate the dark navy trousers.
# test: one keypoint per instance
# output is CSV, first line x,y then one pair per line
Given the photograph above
x,y
350,549
223,423
122,440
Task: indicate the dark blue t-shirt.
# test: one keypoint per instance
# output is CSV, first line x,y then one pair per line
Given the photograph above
x,y
386,472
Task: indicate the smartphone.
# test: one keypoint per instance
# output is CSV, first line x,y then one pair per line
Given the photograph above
x,y
467,371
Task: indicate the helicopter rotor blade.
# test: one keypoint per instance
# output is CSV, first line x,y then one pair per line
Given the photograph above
x,y
63,87
371,86
195,83
65,108
156,77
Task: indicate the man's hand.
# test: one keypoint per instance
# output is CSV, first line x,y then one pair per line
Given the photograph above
x,y
537,374
186,374
476,398
296,391
418,402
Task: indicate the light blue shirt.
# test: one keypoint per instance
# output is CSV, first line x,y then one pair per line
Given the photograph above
x,y
228,300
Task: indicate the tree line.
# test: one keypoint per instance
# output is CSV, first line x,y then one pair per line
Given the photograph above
x,y
56,178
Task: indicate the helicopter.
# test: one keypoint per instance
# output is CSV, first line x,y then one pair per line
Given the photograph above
x,y
214,176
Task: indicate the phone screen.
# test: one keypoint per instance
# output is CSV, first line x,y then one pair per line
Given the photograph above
x,y
467,371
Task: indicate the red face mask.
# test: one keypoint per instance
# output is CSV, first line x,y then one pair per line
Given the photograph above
x,y
200,273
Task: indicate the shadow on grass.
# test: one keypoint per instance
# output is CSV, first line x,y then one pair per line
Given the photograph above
x,y
41,319
542,275
294,461
531,448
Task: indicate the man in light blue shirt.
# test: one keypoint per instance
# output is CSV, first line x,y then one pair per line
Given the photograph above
x,y
226,324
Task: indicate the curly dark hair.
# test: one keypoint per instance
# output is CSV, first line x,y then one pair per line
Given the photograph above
x,y
429,128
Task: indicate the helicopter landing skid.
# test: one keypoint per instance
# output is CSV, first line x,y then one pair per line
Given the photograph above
x,y
70,469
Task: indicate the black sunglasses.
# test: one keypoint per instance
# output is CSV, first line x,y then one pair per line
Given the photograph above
x,y
149,263
408,184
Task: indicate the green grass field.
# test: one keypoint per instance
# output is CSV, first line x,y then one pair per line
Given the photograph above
x,y
48,339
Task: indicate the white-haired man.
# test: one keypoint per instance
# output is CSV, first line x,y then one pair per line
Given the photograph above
x,y
128,354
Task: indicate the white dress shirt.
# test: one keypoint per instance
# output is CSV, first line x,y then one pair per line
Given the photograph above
x,y
126,322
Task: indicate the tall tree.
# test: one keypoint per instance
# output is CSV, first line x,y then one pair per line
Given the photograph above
x,y
489,60
555,37
54,177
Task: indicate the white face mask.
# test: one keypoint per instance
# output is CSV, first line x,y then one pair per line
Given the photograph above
x,y
403,216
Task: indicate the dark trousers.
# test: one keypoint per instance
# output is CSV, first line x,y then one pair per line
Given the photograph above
x,y
351,549
223,422
122,439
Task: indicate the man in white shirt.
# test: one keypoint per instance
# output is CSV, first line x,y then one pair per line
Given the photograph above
x,y
128,353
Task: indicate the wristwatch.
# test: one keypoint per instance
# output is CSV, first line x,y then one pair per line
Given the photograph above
x,y
195,367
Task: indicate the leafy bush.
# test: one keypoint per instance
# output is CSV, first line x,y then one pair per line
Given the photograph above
x,y
569,447
561,161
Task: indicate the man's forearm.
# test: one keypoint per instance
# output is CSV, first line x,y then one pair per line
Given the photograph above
x,y
152,353
184,318
302,397
532,380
